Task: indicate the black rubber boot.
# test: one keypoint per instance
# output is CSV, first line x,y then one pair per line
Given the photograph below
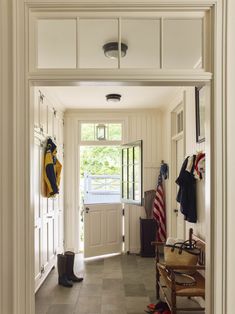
x,y
69,267
61,266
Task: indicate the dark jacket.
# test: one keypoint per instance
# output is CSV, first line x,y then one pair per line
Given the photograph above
x,y
187,192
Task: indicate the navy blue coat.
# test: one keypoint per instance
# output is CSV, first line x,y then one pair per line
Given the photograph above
x,y
187,192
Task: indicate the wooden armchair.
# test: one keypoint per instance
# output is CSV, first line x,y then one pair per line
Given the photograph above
x,y
166,283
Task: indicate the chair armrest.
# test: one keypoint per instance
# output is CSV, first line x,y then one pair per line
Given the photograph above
x,y
188,267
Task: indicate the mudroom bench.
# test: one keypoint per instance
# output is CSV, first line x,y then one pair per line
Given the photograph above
x,y
166,282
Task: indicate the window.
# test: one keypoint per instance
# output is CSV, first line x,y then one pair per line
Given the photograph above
x,y
132,173
180,121
101,131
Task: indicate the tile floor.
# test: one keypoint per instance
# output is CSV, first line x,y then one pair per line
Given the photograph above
x,y
121,284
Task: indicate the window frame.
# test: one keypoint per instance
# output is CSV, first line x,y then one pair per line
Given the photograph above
x,y
128,199
100,142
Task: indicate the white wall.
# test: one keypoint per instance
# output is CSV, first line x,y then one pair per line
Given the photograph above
x,y
139,124
144,125
187,95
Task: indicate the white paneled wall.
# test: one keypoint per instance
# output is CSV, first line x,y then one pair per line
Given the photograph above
x,y
191,147
138,124
48,212
145,125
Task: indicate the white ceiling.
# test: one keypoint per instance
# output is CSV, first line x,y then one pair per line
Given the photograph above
x,y
93,97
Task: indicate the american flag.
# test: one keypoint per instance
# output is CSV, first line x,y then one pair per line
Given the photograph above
x,y
159,211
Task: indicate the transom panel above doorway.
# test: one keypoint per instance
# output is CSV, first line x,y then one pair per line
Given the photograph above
x,y
153,41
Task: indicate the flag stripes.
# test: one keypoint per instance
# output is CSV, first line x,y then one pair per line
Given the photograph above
x,y
159,211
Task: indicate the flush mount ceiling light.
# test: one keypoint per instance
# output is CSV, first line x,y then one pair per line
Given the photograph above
x,y
113,97
111,50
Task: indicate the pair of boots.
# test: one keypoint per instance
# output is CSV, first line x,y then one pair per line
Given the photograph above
x,y
65,263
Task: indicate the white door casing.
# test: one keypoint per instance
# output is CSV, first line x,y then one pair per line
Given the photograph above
x,y
21,226
102,229
180,224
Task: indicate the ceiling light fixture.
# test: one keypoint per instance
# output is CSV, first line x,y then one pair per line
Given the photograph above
x,y
113,97
111,50
101,132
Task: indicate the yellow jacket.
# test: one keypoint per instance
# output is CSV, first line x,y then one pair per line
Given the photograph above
x,y
52,169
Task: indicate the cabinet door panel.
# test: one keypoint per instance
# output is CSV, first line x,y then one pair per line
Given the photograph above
x,y
51,238
37,256
60,231
36,111
56,128
50,116
50,205
45,257
43,116
37,178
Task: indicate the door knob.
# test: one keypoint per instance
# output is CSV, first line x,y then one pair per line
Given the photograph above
x,y
176,210
87,210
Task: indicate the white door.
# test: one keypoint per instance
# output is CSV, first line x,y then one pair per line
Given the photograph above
x,y
180,222
102,229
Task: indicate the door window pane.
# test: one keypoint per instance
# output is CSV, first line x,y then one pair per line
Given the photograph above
x,y
115,132
132,173
87,132
137,192
56,43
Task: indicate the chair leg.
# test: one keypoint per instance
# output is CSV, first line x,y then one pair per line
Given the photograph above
x,y
173,294
157,283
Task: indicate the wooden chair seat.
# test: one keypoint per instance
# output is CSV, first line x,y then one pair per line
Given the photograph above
x,y
166,281
198,290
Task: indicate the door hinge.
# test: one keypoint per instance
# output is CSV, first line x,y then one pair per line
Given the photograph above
x,y
123,212
123,238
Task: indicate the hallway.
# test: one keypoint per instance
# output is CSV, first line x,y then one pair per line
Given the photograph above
x,y
120,284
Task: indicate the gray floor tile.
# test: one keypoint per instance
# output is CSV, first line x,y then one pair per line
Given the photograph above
x,y
135,290
88,305
122,284
136,304
91,290
65,295
60,309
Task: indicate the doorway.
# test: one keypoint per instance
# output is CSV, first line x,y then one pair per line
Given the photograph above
x,y
139,123
177,157
101,226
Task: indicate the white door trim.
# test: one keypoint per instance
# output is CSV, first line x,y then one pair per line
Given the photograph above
x,y
22,214
174,174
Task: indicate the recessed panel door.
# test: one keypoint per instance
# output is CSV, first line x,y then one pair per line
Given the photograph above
x,y
103,229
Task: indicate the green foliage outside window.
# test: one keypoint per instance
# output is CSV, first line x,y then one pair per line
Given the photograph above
x,y
98,160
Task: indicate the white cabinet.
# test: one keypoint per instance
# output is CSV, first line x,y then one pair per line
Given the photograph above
x,y
37,211
50,125
48,212
43,115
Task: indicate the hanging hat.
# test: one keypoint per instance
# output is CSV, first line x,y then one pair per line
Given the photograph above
x,y
164,170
